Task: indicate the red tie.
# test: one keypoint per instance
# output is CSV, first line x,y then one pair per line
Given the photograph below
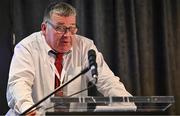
x,y
58,64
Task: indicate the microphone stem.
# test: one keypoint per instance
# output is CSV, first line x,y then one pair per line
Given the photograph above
x,y
57,89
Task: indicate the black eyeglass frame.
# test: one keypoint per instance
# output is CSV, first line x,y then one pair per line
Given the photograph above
x,y
63,29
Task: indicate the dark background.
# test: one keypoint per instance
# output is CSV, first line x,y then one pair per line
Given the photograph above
x,y
140,40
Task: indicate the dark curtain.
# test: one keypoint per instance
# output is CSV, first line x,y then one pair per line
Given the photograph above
x,y
138,38
5,50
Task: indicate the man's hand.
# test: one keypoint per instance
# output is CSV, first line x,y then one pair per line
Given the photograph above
x,y
33,113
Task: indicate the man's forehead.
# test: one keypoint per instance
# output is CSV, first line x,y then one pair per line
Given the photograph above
x,y
63,19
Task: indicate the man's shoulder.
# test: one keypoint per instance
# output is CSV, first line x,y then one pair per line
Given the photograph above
x,y
30,39
83,39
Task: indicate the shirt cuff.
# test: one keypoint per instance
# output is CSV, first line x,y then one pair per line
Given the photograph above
x,y
25,106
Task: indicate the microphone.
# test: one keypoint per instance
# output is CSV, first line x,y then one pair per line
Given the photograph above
x,y
92,63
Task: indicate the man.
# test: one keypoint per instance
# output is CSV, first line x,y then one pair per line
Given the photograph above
x,y
32,71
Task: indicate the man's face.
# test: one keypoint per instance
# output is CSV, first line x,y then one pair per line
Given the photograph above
x,y
60,32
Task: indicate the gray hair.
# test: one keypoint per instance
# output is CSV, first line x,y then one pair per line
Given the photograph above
x,y
63,9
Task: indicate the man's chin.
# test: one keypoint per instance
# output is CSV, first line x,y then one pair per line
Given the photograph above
x,y
64,50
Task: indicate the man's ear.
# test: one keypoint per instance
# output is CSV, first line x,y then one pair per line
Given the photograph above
x,y
43,28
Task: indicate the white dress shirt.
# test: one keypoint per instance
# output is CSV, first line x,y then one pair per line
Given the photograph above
x,y
32,71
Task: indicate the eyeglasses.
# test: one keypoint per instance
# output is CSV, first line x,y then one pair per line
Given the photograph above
x,y
63,29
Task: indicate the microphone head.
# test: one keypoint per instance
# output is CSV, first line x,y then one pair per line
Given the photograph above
x,y
91,53
92,57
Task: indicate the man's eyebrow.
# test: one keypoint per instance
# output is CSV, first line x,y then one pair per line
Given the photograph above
x,y
63,23
60,23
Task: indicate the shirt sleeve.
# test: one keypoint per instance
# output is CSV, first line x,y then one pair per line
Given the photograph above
x,y
21,76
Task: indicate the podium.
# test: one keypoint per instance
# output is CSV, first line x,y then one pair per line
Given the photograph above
x,y
109,105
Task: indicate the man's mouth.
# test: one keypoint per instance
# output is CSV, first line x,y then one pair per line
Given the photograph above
x,y
64,41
